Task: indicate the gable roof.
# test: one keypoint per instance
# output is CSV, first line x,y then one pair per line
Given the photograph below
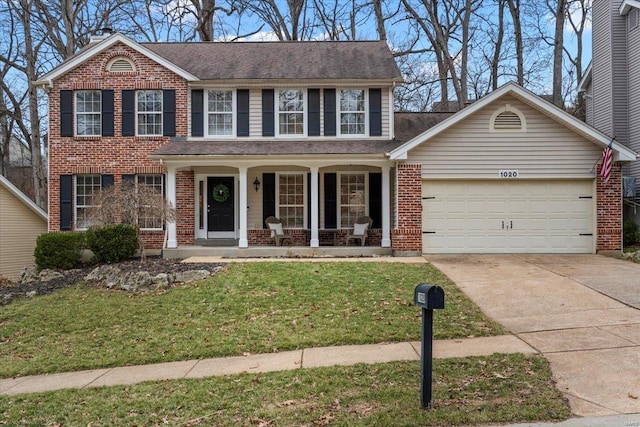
x,y
94,49
4,182
621,153
585,81
353,60
288,60
626,6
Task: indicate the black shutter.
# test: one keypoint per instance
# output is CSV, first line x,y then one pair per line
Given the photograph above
x,y
106,181
330,201
375,199
169,112
66,113
375,112
128,112
329,112
268,116
314,112
243,112
197,112
268,196
66,201
107,112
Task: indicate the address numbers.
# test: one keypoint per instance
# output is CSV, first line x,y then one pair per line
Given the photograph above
x,y
508,174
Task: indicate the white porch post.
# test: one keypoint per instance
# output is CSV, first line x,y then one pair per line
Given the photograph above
x,y
386,208
172,233
315,197
242,183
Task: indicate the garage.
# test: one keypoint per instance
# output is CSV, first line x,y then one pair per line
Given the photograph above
x,y
512,216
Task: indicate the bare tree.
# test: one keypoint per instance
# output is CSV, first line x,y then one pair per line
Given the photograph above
x,y
287,22
514,10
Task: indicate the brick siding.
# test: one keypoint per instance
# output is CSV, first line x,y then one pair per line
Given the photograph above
x,y
609,211
407,236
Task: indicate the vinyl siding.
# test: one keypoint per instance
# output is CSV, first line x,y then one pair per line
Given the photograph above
x,y
19,227
385,113
634,95
468,150
255,112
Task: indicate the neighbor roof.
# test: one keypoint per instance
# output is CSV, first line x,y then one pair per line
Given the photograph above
x,y
4,182
320,60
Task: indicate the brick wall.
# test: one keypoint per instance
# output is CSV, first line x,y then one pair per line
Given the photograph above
x,y
115,155
407,235
609,211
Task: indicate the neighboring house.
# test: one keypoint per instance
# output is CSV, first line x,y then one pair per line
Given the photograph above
x,y
305,131
611,84
21,222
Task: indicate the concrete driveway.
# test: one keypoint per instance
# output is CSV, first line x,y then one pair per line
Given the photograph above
x,y
558,304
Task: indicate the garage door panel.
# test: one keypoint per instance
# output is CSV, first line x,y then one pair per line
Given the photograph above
x,y
508,217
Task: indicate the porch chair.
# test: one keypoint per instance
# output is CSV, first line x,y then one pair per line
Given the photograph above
x,y
275,225
360,229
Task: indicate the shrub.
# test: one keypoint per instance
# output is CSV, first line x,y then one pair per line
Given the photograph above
x,y
59,250
630,232
112,242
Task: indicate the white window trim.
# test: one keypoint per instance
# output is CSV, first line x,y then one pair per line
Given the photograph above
x,y
76,113
148,112
305,113
339,113
338,194
75,199
512,109
305,208
161,175
234,112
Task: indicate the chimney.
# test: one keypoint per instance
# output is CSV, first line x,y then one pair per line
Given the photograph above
x,y
101,34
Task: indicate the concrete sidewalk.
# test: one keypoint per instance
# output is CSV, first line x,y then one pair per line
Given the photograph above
x,y
592,341
259,363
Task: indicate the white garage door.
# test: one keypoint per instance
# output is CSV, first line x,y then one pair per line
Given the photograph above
x,y
507,217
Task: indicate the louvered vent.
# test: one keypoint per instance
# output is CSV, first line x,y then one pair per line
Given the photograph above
x,y
121,65
507,120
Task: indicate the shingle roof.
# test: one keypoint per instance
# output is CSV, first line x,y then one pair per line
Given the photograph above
x,y
407,126
282,60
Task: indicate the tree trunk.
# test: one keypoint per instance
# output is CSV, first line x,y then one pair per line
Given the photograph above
x,y
558,51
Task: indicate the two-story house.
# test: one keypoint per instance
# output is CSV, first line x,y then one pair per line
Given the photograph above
x,y
611,84
234,133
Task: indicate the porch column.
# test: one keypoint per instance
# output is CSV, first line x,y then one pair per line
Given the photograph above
x,y
386,208
242,184
315,197
172,234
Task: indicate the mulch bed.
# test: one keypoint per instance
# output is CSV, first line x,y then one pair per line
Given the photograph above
x,y
10,291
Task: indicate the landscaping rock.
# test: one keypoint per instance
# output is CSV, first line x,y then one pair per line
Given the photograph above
x,y
108,276
139,281
28,275
47,275
191,275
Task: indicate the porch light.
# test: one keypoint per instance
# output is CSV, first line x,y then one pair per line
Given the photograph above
x,y
256,184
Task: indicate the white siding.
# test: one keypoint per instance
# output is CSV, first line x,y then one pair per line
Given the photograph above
x,y
19,228
385,113
469,150
255,112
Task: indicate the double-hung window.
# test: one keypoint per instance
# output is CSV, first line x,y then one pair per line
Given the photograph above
x,y
291,116
150,188
352,112
149,112
291,199
88,112
352,193
87,186
220,112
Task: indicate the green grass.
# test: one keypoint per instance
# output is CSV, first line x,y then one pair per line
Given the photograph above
x,y
470,391
249,308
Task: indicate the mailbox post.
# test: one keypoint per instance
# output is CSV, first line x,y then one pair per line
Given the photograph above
x,y
429,298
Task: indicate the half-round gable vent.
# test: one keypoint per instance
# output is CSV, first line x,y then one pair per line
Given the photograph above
x,y
507,120
120,65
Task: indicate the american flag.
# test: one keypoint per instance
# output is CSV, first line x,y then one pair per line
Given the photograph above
x,y
607,161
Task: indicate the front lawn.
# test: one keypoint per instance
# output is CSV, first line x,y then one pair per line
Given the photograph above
x,y
248,308
470,391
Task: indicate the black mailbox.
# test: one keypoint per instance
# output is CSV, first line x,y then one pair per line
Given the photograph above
x,y
429,296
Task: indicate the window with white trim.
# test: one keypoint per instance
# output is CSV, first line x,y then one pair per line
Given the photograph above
x,y
88,112
87,186
220,112
352,112
149,112
291,199
353,198
633,18
291,116
148,216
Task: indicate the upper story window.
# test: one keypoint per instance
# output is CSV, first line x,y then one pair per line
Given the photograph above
x,y
88,112
220,112
149,112
633,18
352,112
291,116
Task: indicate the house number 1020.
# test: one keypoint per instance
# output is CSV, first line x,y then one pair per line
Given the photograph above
x,y
508,174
